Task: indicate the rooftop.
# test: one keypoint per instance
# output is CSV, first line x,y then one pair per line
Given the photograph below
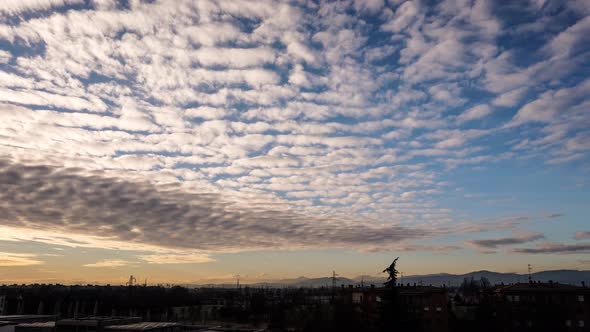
x,y
541,286
26,318
37,324
99,321
144,326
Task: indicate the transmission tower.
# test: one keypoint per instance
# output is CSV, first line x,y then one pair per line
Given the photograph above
x,y
334,275
131,281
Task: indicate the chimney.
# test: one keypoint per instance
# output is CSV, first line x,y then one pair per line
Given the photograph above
x,y
583,284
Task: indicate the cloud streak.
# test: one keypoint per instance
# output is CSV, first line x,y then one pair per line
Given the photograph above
x,y
10,259
505,241
556,248
108,263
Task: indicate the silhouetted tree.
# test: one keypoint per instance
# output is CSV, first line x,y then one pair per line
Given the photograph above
x,y
393,315
392,271
485,283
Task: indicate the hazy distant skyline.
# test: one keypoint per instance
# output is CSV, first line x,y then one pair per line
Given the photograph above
x,y
189,141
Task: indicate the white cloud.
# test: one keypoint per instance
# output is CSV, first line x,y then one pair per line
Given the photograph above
x,y
405,14
194,258
550,105
573,38
234,57
510,98
16,7
10,259
108,263
474,113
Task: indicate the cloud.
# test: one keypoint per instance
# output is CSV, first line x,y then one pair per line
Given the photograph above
x,y
38,197
510,98
10,259
176,258
404,15
241,117
556,248
108,263
547,108
17,7
570,40
582,235
474,113
505,241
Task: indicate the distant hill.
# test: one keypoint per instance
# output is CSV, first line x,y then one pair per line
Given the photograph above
x,y
562,276
574,277
310,282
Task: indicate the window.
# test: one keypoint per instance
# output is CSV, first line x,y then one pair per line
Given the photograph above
x,y
439,309
568,323
426,309
580,323
516,298
580,298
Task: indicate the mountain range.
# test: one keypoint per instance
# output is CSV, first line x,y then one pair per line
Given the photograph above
x,y
574,277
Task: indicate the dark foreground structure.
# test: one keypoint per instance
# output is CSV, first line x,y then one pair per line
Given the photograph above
x,y
474,306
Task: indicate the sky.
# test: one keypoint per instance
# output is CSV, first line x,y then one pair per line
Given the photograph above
x,y
195,141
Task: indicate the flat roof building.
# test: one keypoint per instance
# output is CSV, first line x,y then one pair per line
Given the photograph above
x,y
537,306
8,323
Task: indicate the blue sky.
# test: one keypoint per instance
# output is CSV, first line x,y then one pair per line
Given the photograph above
x,y
192,141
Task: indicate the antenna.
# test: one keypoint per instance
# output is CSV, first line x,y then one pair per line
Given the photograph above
x,y
237,281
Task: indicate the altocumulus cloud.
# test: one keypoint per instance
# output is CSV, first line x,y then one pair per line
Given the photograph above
x,y
233,122
41,197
